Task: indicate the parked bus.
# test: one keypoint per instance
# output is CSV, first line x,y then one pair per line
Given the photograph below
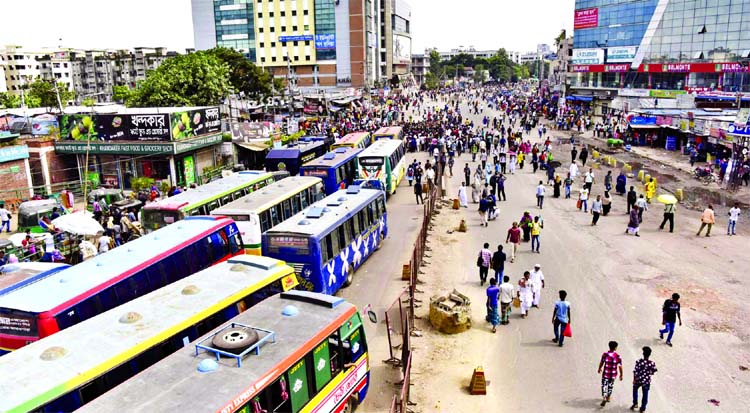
x,y
108,280
16,275
299,352
337,168
257,212
330,240
106,350
391,132
359,140
203,199
291,157
385,161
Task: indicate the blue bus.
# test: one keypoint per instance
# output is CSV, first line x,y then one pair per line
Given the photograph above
x,y
327,242
337,169
292,156
17,275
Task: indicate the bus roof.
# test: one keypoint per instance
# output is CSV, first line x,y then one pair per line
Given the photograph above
x,y
15,276
383,147
351,137
175,384
96,345
263,198
389,130
293,150
51,292
334,208
334,158
209,191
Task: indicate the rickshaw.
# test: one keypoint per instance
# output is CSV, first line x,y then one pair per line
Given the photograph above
x,y
114,198
30,212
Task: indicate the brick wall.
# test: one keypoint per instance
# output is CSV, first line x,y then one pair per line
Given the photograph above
x,y
13,180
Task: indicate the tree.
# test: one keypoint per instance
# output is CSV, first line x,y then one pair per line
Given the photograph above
x,y
120,93
479,73
436,66
195,79
500,66
431,81
9,101
244,75
42,93
89,101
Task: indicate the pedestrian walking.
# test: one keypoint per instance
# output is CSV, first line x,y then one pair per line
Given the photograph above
x,y
632,197
561,318
525,293
418,193
622,181
634,223
606,203
650,190
610,365
536,232
669,210
493,295
525,224
583,196
642,372
410,174
501,187
5,217
556,186
514,237
670,311
463,198
507,292
588,179
467,174
642,205
734,215
608,181
708,219
596,209
498,262
583,156
573,154
537,280
573,171
568,184
484,207
483,262
540,189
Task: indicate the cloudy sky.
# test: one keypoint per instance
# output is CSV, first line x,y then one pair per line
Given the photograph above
x,y
445,24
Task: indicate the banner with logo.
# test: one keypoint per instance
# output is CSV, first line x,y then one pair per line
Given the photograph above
x,y
621,54
588,56
194,122
586,18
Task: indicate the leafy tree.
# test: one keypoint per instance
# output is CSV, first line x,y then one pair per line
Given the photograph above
x,y
244,75
479,73
436,66
41,93
88,102
279,85
195,79
500,66
431,81
120,93
9,101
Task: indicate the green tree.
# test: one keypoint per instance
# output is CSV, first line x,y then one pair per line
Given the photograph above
x,y
195,79
9,101
88,102
436,65
42,93
500,66
279,85
431,81
479,73
120,93
244,75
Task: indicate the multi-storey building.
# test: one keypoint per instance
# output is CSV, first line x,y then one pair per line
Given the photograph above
x,y
312,42
20,67
679,45
420,65
57,66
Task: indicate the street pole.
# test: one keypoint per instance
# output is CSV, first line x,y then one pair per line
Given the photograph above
x,y
57,93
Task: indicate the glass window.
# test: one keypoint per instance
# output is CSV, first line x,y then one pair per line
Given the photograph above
x,y
88,308
277,395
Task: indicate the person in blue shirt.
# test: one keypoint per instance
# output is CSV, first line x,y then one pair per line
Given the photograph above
x,y
493,294
561,318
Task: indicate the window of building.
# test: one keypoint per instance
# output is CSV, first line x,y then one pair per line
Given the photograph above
x,y
294,12
294,28
305,12
273,58
273,44
272,29
261,44
270,14
283,28
260,15
260,30
296,58
262,59
283,13
295,43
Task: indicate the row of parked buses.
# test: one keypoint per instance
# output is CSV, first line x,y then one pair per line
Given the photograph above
x,y
90,332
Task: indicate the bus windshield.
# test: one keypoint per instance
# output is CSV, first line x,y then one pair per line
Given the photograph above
x,y
375,162
157,218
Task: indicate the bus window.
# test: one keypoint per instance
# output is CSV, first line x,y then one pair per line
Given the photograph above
x,y
326,249
337,241
274,216
286,207
66,403
203,210
321,357
87,309
156,279
349,228
381,205
305,200
211,206
235,243
363,225
370,215
225,200
339,175
93,390
67,318
278,395
300,391
354,346
108,299
265,221
197,211
125,291
237,195
297,202
357,224
334,346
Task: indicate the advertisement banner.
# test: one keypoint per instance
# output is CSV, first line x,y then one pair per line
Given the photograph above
x,y
147,128
248,131
43,125
325,41
588,56
195,122
12,153
303,38
77,127
665,94
586,18
621,54
401,49
621,68
189,169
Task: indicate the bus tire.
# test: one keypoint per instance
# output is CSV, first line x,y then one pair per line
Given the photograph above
x,y
351,405
349,276
235,340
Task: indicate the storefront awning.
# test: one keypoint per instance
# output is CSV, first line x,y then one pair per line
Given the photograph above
x,y
579,98
253,146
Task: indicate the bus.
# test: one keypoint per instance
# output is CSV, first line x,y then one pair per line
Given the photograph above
x,y
61,300
257,212
391,132
292,156
299,352
330,240
17,275
77,365
359,140
337,168
203,199
385,161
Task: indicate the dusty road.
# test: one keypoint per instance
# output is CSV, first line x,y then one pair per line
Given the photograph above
x,y
616,284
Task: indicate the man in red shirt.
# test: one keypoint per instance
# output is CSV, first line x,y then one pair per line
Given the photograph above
x,y
514,236
609,366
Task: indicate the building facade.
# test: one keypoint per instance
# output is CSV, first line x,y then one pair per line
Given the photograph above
x,y
312,43
420,65
679,45
20,67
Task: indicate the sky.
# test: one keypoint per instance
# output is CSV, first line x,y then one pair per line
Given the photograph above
x,y
445,24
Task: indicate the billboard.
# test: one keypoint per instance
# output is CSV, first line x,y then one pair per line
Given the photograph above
x,y
401,49
325,42
43,125
588,56
194,123
621,54
586,18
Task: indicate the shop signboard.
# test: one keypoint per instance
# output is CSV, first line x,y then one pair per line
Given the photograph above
x,y
620,68
588,56
665,94
196,143
189,169
743,117
586,18
43,125
78,127
325,41
13,153
194,122
244,132
738,130
301,38
621,54
116,148
643,120
145,127
636,93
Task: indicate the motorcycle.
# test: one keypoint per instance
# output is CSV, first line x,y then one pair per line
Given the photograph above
x,y
705,175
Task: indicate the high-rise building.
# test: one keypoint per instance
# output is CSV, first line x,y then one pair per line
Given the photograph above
x,y
680,45
420,65
320,43
21,67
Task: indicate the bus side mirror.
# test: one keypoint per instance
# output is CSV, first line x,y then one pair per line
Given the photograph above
x,y
372,316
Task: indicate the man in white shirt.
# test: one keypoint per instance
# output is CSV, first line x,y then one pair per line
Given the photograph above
x,y
507,292
5,216
588,179
573,170
537,280
734,215
540,195
103,243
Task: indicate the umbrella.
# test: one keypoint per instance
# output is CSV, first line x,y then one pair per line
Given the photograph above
x,y
667,199
78,223
555,164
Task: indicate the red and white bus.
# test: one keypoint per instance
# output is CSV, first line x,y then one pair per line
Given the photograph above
x,y
104,282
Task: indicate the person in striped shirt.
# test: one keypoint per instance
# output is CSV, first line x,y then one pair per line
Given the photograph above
x,y
609,367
